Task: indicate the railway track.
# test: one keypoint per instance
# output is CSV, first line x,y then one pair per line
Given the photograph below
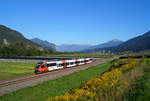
x,y
10,82
29,77
7,86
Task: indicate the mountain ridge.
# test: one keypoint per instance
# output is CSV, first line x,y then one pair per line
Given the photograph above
x,y
44,43
9,36
71,47
136,44
111,43
86,47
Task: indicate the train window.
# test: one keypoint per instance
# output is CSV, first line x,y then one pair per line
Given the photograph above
x,y
66,64
76,62
71,63
63,64
42,66
45,65
59,65
52,64
38,66
48,65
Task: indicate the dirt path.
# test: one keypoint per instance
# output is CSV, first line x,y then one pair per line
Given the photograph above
x,y
31,80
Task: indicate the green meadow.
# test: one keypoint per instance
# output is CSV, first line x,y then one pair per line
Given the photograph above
x,y
56,87
12,69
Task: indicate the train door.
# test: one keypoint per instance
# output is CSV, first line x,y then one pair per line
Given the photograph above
x,y
49,67
60,65
54,66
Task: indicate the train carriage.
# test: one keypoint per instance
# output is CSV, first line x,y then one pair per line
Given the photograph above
x,y
81,61
88,60
71,63
54,65
46,66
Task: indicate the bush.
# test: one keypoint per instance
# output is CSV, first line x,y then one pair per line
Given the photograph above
x,y
109,85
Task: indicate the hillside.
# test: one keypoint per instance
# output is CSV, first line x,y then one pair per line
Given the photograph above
x,y
71,47
86,47
9,36
45,44
139,43
111,43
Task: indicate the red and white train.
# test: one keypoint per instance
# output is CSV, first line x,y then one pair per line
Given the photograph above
x,y
54,65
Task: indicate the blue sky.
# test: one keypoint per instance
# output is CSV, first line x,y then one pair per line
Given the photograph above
x,y
77,21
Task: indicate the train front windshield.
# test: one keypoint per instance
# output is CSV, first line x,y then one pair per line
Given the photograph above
x,y
38,65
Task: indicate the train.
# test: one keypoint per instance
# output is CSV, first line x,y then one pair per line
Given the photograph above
x,y
61,64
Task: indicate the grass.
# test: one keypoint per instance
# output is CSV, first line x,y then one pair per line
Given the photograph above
x,y
109,86
141,90
11,69
56,87
92,55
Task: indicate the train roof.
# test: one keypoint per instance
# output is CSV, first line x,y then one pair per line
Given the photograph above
x,y
67,60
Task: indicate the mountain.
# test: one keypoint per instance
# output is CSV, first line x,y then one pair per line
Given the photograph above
x,y
45,44
71,47
86,48
9,36
139,43
112,43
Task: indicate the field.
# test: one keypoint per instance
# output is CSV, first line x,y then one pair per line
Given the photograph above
x,y
55,87
92,55
141,90
127,80
11,70
120,80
